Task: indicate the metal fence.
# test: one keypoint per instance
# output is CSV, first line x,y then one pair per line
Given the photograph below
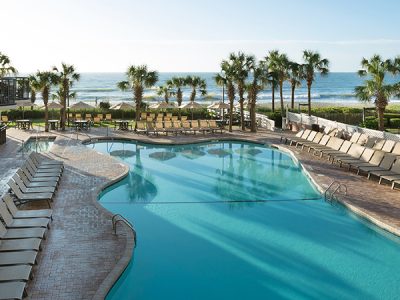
x,y
310,120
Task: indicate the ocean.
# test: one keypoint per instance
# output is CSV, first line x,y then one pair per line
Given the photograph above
x,y
335,88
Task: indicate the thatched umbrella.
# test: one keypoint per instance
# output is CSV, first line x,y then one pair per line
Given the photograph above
x,y
162,105
191,105
52,106
81,105
123,106
219,105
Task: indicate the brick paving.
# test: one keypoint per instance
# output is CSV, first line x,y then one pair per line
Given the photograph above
x,y
81,250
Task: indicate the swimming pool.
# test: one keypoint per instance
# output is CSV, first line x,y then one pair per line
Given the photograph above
x,y
42,144
234,220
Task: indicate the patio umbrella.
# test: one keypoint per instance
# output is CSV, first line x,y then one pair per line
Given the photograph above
x,y
245,103
24,104
123,106
81,105
220,105
162,105
52,106
191,105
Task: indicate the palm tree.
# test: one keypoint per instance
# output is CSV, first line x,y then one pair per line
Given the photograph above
x,y
313,63
5,66
196,83
375,87
178,83
58,95
45,80
67,77
165,91
278,63
228,68
221,80
138,78
295,77
260,77
34,86
242,64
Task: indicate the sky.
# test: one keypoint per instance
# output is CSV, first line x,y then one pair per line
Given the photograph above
x,y
189,36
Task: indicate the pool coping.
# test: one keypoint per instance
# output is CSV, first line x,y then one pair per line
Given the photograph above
x,y
117,271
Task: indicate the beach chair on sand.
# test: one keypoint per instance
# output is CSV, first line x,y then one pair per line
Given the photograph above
x,y
385,165
10,222
26,214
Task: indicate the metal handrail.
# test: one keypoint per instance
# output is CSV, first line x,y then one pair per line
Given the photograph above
x,y
339,188
119,218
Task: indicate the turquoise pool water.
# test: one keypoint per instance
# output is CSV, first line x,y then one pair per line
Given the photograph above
x,y
232,220
40,145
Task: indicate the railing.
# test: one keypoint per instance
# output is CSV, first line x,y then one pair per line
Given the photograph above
x,y
310,120
119,218
334,188
262,120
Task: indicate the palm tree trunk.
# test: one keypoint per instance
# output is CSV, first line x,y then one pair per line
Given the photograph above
x,y
242,115
381,124
292,103
281,94
253,112
230,114
309,98
179,100
46,118
273,97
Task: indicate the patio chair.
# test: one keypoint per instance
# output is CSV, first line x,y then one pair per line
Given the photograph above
x,y
363,139
354,152
21,233
41,173
43,161
177,125
152,116
186,127
4,119
323,142
29,184
15,273
26,214
20,245
10,222
28,177
379,144
354,138
97,120
312,142
396,149
174,118
29,197
309,138
159,127
365,157
394,183
88,117
195,126
143,116
204,126
370,143
169,115
141,127
26,189
44,167
334,143
78,117
286,138
388,146
17,258
159,119
214,126
150,128
183,118
374,161
385,165
108,118
344,148
303,137
389,175
169,128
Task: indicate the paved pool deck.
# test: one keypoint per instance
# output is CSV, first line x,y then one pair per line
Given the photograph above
x,y
81,257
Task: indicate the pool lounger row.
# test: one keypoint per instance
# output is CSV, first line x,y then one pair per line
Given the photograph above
x,y
382,160
21,236
176,127
36,180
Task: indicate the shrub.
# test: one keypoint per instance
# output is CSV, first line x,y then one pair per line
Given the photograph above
x,y
395,123
371,123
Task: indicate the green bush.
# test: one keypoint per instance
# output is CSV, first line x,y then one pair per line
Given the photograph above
x,y
371,123
104,105
395,123
277,117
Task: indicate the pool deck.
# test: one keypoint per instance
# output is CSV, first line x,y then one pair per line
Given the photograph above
x,y
82,254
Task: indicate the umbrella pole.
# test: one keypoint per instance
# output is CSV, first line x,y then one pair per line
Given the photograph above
x,y
192,113
23,113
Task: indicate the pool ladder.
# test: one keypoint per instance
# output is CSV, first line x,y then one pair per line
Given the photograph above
x,y
333,188
119,218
